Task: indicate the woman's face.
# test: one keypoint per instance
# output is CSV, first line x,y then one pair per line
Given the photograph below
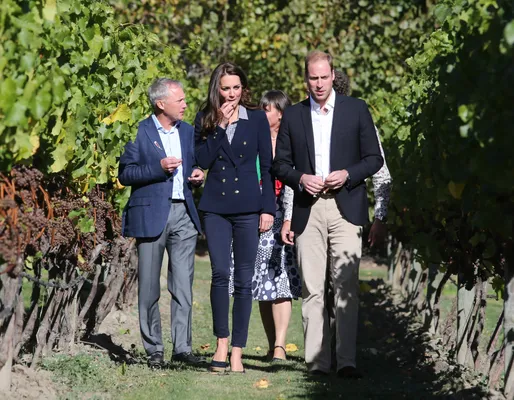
x,y
230,89
274,116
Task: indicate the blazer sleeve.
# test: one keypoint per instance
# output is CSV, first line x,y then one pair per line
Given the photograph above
x,y
283,163
370,158
131,172
206,148
265,161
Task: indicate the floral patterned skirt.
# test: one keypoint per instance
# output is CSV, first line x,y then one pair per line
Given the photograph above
x,y
276,273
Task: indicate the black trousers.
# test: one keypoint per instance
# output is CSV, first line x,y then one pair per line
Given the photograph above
x,y
221,231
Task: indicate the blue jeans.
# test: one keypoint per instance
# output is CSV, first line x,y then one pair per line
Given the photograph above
x,y
220,231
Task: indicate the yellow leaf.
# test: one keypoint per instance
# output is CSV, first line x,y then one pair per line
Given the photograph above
x,y
257,348
205,346
261,384
364,287
122,114
456,189
81,259
368,323
50,10
34,141
291,347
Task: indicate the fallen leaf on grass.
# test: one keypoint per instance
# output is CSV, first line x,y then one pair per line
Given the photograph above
x,y
364,287
261,384
258,348
205,346
291,347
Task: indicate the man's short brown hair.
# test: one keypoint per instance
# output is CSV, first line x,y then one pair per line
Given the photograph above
x,y
317,55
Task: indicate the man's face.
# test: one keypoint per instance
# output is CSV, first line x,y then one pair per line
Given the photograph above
x,y
319,80
174,105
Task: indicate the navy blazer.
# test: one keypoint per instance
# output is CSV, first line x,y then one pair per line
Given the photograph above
x,y
353,146
232,185
146,212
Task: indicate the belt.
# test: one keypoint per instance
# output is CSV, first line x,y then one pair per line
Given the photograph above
x,y
178,201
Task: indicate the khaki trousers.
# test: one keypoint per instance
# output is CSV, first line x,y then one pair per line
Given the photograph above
x,y
329,234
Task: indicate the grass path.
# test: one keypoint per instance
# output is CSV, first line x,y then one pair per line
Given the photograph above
x,y
398,361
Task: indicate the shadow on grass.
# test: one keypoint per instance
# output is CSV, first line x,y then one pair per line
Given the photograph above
x,y
398,360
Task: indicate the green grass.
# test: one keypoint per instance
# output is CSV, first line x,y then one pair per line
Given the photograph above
x,y
389,353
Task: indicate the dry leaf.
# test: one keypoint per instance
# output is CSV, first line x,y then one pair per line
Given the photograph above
x,y
364,287
261,384
291,347
258,348
205,346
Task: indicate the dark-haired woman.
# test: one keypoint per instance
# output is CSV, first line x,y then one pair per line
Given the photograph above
x,y
229,134
276,280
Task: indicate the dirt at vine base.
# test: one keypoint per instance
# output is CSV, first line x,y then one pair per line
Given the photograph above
x,y
31,384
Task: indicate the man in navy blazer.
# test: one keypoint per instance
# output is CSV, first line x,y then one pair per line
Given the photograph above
x,y
326,148
160,168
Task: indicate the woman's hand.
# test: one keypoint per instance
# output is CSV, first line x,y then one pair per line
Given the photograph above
x,y
227,110
265,222
286,233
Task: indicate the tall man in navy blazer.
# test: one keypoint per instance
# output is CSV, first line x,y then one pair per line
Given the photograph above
x,y
326,148
161,214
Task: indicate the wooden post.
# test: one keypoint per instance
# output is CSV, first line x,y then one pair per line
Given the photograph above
x,y
465,307
508,309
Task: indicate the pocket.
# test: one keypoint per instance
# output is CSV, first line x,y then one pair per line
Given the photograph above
x,y
139,201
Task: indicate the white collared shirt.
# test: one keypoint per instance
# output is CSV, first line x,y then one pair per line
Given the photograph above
x,y
322,129
171,142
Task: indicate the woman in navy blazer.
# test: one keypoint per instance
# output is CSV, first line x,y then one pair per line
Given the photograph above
x,y
229,135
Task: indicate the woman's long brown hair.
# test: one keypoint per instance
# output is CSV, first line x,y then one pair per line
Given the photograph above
x,y
211,107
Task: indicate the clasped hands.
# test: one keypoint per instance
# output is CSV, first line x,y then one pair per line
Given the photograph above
x,y
170,164
315,185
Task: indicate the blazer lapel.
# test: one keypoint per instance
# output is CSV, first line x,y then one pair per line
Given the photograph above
x,y
184,145
337,129
155,139
309,133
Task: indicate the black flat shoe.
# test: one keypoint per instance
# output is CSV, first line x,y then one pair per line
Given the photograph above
x,y
156,360
349,373
218,366
189,358
277,359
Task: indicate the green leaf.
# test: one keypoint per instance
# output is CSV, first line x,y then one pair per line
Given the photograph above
x,y
8,94
86,225
16,116
59,157
508,33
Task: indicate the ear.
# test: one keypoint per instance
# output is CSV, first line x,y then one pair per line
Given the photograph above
x,y
159,104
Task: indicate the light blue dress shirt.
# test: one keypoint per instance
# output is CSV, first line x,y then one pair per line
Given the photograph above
x,y
171,142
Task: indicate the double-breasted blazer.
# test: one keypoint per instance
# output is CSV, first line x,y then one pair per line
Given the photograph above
x,y
146,212
354,147
232,186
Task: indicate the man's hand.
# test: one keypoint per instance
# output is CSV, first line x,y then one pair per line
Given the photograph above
x,y
265,222
312,184
170,164
336,179
286,233
197,177
377,233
